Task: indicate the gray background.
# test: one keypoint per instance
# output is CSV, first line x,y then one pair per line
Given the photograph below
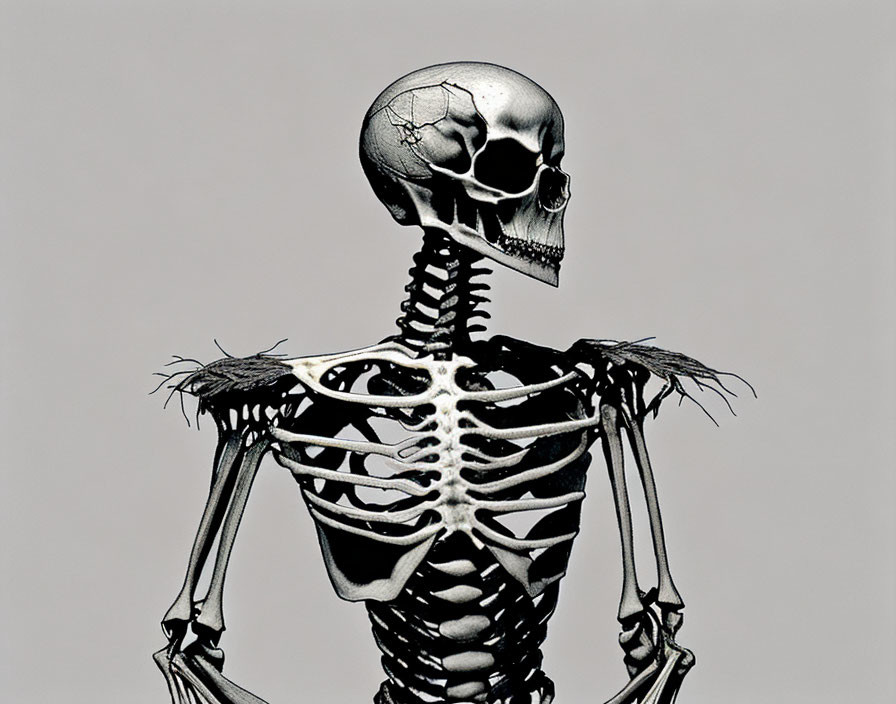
x,y
174,172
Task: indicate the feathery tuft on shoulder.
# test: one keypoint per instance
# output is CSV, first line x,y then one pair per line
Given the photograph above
x,y
633,363
225,378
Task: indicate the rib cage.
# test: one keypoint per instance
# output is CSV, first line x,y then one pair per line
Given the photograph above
x,y
393,512
435,465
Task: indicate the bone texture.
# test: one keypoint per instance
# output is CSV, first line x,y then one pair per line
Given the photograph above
x,y
445,473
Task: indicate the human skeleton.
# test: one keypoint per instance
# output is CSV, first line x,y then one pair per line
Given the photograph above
x,y
445,475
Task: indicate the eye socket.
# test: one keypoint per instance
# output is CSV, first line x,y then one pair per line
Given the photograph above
x,y
507,165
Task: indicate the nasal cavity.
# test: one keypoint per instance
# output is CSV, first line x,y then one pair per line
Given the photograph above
x,y
507,165
553,189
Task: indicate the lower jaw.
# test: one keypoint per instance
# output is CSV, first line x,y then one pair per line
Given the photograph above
x,y
544,254
541,262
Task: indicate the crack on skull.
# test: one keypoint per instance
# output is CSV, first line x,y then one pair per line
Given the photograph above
x,y
409,119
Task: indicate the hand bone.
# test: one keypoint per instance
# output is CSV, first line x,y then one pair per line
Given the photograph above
x,y
655,662
640,641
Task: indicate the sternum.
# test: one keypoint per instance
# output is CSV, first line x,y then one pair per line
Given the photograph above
x,y
455,506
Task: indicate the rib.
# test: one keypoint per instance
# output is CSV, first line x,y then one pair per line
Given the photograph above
x,y
411,539
529,431
531,504
421,452
401,466
517,544
516,391
367,448
532,474
404,485
364,515
494,462
371,400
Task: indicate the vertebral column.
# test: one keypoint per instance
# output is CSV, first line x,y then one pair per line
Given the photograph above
x,y
463,630
442,298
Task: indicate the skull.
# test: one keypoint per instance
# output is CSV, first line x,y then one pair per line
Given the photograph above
x,y
473,149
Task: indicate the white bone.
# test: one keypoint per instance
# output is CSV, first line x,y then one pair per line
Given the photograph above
x,y
414,457
667,594
659,684
630,603
626,694
418,426
530,504
528,431
516,391
375,516
211,615
402,466
361,479
366,448
410,539
534,473
515,544
491,463
402,160
182,607
435,465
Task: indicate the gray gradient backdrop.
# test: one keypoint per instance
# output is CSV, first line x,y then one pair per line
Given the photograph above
x,y
174,172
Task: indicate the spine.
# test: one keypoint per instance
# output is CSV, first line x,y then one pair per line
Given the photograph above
x,y
442,297
463,630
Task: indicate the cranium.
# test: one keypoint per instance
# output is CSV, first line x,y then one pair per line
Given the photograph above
x,y
474,150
